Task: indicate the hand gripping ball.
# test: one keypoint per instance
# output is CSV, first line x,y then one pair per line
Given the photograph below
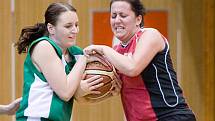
x,y
98,65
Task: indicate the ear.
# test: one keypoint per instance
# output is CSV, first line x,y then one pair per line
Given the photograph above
x,y
51,29
138,20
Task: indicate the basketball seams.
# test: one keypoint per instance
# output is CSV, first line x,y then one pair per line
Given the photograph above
x,y
98,65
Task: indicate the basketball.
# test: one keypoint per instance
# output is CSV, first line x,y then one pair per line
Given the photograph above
x,y
100,66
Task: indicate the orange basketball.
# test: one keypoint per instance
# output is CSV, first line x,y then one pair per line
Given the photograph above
x,y
101,66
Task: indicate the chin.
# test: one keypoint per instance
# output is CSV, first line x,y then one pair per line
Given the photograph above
x,y
119,37
71,44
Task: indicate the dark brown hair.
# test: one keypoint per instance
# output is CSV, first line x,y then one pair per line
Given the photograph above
x,y
31,33
136,6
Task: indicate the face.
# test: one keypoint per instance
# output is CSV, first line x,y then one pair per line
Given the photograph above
x,y
123,20
66,29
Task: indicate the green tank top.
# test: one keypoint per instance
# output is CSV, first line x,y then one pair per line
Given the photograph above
x,y
39,101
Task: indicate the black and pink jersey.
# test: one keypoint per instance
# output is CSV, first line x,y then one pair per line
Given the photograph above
x,y
155,93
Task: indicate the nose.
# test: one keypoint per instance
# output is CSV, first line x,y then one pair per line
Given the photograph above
x,y
117,19
75,29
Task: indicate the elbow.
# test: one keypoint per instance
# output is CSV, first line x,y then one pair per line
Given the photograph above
x,y
132,71
66,99
132,74
65,96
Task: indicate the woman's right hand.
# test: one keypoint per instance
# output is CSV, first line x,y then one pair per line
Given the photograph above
x,y
89,86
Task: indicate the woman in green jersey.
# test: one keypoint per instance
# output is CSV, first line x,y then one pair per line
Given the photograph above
x,y
54,66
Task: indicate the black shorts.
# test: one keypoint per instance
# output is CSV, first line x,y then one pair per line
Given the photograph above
x,y
180,117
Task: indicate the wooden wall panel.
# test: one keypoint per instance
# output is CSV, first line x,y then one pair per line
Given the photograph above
x,y
5,52
209,59
193,56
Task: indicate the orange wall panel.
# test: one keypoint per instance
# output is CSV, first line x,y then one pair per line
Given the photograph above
x,y
102,33
158,20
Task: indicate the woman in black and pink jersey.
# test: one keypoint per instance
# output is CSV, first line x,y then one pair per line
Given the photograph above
x,y
150,90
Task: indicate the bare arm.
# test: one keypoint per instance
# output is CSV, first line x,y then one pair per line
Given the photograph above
x,y
46,59
11,108
148,46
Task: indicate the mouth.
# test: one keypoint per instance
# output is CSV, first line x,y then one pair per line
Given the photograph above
x,y
119,28
71,37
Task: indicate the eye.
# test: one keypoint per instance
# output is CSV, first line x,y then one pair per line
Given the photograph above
x,y
68,26
76,25
123,15
113,15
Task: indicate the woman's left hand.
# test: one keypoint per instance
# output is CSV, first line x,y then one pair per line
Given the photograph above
x,y
93,49
11,108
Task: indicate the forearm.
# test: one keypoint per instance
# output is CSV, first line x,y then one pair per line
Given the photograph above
x,y
75,76
2,109
125,64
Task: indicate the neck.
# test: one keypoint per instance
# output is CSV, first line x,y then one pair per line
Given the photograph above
x,y
124,43
63,49
65,52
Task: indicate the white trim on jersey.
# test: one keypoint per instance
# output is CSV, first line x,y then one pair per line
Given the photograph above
x,y
170,105
33,119
39,100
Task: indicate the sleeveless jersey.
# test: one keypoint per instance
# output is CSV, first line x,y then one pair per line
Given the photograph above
x,y
39,101
155,93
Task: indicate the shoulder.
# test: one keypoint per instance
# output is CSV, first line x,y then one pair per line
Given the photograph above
x,y
151,32
43,52
43,44
42,47
153,37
